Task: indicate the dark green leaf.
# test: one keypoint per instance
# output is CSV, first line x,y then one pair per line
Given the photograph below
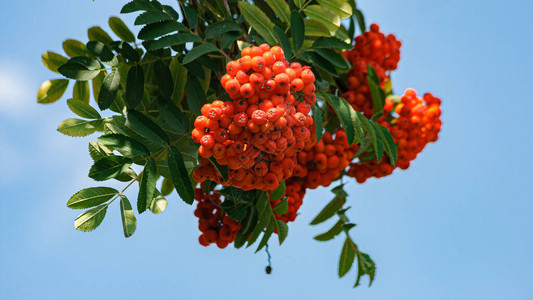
x,y
360,19
285,44
319,61
108,91
77,127
96,33
135,86
109,167
152,17
332,233
344,112
90,197
121,30
137,5
83,109
102,52
379,142
228,39
327,42
155,30
174,39
329,211
147,128
198,51
366,266
268,233
339,191
248,226
264,215
163,78
179,77
282,207
98,151
335,58
192,16
80,68
219,28
174,117
222,169
347,258
91,219
195,95
126,50
235,211
371,133
124,144
81,91
390,146
378,95
180,176
283,231
297,30
53,60
51,90
147,185
319,124
259,21
129,222
279,192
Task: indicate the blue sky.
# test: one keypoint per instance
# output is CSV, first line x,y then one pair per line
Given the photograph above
x,y
456,225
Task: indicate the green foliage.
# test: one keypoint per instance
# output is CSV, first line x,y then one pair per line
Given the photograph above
x,y
129,222
180,175
91,219
121,30
52,90
78,127
259,21
278,193
109,167
91,197
82,109
52,60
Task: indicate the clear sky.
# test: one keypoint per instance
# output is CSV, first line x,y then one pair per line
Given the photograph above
x,y
456,225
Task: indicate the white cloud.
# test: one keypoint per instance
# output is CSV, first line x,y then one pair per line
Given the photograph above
x,y
17,95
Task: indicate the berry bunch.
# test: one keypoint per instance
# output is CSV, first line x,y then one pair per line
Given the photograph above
x,y
295,192
418,123
321,163
214,225
259,133
380,52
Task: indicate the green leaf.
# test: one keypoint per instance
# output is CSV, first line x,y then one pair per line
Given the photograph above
x,y
135,86
319,61
345,113
259,21
315,28
159,203
327,42
96,33
102,52
390,146
319,123
109,167
126,50
378,95
229,38
81,91
180,176
379,142
137,5
163,77
167,187
285,44
282,207
198,51
82,109
147,185
324,16
366,266
129,222
222,169
334,57
90,197
98,151
150,17
219,28
97,84
52,60
108,90
332,233
248,225
91,219
283,231
77,127
299,3
329,211
195,95
264,214
179,77
148,128
371,133
268,233
51,90
347,258
340,7
298,29
191,15
360,19
124,144
174,39
279,192
121,30
74,48
174,117
155,30
281,8
339,191
80,68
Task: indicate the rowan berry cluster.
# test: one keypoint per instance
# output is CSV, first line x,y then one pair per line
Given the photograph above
x,y
418,123
380,52
215,226
259,133
295,192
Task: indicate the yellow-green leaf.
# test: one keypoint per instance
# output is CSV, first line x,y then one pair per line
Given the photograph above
x,y
74,48
78,127
341,7
259,21
51,90
91,218
159,203
53,60
129,222
315,28
81,91
96,33
281,8
121,30
324,16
